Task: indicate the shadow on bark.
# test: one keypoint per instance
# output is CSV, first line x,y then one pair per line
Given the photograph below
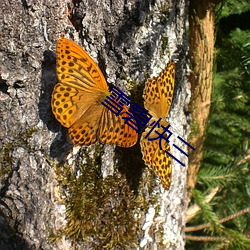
x,y
9,239
130,159
61,145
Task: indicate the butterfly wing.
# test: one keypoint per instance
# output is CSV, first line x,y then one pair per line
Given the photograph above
x,y
158,92
114,130
75,68
109,129
76,100
81,83
155,158
85,129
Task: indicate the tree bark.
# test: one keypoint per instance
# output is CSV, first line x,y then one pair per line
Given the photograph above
x,y
201,41
40,170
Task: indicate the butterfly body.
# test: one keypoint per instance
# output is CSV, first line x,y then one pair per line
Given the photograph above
x,y
77,100
158,93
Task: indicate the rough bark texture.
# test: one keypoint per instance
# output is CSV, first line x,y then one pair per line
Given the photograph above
x,y
123,36
201,40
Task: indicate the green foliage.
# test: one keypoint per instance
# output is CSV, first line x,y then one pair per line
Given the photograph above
x,y
207,211
226,154
230,7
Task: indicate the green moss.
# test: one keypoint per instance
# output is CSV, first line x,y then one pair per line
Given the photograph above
x,y
130,83
164,45
5,161
19,140
28,133
195,129
104,211
164,10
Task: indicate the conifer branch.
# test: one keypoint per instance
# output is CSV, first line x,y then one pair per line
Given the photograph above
x,y
194,209
244,160
230,217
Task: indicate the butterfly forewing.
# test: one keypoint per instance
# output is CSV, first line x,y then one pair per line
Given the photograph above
x,y
63,105
158,92
76,69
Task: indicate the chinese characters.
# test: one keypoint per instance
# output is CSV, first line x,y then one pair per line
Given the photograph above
x,y
138,117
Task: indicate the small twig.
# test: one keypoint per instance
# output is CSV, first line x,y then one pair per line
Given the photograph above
x,y
230,217
205,238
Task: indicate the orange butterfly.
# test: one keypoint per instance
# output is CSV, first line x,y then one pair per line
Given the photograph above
x,y
77,97
157,94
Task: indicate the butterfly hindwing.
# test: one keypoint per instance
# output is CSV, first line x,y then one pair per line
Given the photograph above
x,y
83,134
113,129
156,158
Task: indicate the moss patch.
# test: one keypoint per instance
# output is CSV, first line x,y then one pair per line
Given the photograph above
x,y
20,140
103,212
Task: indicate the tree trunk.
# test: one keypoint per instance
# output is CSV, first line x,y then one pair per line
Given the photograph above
x,y
201,40
54,196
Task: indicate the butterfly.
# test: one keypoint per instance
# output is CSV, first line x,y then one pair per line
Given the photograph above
x,y
77,100
157,95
